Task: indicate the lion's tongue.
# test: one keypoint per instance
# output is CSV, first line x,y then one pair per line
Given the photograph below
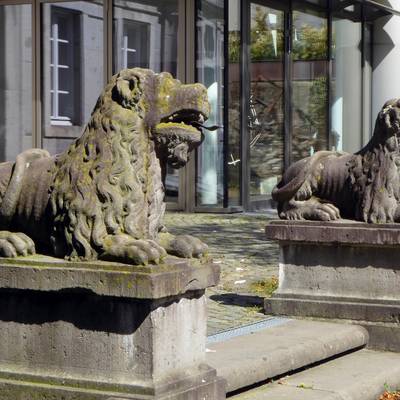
x,y
208,128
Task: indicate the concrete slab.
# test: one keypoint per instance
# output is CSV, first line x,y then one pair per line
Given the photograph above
x,y
271,352
362,375
276,392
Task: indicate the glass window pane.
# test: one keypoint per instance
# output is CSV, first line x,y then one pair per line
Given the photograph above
x,y
146,36
309,84
346,130
210,72
309,36
72,69
266,114
15,80
234,109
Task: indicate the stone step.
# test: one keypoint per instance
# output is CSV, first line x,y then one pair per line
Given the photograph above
x,y
267,353
362,375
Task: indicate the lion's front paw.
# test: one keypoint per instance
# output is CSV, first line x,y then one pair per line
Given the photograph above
x,y
133,251
13,244
311,209
187,246
325,212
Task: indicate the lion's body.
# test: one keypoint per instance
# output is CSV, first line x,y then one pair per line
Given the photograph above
x,y
109,182
103,197
363,186
331,183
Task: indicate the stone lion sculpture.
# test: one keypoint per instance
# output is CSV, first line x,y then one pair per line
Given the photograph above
x,y
363,186
103,197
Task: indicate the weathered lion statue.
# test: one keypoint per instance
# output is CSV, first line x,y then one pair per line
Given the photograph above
x,y
363,186
103,197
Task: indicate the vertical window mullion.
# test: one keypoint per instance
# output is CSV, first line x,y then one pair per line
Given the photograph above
x,y
288,88
55,66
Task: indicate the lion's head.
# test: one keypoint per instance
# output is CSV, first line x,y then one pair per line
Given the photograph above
x,y
387,126
172,112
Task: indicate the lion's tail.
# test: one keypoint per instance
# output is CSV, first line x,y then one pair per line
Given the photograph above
x,y
298,173
286,191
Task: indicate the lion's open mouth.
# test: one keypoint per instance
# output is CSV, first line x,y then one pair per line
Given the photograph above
x,y
189,118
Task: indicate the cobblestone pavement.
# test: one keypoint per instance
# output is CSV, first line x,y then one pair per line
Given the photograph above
x,y
249,263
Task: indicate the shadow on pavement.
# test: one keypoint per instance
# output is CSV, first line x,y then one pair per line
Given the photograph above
x,y
235,299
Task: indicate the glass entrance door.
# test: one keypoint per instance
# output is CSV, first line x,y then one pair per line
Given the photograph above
x,y
266,103
287,90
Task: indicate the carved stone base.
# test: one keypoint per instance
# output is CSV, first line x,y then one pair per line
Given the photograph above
x,y
203,384
105,330
340,270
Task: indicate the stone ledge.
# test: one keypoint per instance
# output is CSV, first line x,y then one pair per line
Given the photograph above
x,y
342,232
174,277
279,350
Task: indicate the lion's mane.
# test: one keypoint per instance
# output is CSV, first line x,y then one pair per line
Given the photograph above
x,y
108,181
374,178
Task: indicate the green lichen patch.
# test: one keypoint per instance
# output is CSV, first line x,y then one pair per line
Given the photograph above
x,y
264,288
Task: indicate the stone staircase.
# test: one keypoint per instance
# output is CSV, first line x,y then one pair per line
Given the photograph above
x,y
289,359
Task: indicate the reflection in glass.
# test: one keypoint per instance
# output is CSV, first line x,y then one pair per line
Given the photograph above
x,y
346,86
309,84
146,36
72,69
210,72
234,115
15,80
266,120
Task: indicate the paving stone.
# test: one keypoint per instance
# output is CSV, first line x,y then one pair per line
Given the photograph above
x,y
237,242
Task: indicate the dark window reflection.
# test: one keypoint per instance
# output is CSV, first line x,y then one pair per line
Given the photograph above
x,y
146,35
265,119
234,110
309,84
210,72
72,69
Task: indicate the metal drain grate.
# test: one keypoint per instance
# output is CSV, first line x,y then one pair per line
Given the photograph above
x,y
246,329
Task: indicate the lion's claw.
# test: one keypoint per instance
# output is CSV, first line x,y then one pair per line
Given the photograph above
x,y
13,244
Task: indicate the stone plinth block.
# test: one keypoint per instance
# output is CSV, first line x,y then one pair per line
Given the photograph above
x,y
340,270
73,330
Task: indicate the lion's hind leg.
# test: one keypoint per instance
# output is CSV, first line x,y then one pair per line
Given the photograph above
x,y
124,248
311,209
13,244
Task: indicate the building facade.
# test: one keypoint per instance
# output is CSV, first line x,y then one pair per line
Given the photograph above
x,y
285,79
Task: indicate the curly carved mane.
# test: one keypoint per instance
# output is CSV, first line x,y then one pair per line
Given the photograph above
x,y
109,180
373,171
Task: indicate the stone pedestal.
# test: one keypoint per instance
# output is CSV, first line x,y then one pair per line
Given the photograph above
x,y
340,270
105,330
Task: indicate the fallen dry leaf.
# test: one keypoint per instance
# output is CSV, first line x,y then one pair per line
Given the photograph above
x,y
390,396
